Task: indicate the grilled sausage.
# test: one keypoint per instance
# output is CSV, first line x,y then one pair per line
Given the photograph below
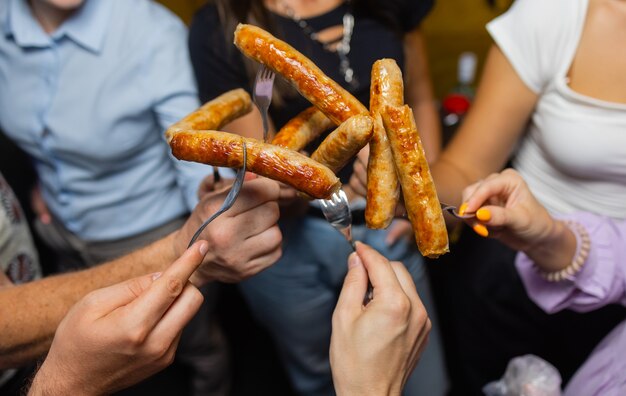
x,y
278,163
383,190
302,129
344,142
328,96
215,113
418,188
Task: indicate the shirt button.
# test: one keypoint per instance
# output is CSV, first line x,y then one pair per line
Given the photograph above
x,y
64,198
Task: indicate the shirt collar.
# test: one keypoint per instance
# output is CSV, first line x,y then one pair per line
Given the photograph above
x,y
21,24
87,26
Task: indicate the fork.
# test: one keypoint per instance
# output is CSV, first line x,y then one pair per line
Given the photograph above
x,y
262,95
338,214
230,198
454,211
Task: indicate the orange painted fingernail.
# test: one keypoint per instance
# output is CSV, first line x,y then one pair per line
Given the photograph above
x,y
481,230
462,208
483,214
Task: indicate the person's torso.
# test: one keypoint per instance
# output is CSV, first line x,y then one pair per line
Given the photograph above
x,y
370,41
574,154
85,115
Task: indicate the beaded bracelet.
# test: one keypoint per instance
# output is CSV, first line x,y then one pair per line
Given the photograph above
x,y
583,245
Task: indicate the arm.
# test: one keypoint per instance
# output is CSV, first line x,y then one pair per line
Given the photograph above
x,y
119,335
242,242
486,138
394,327
505,204
419,93
490,131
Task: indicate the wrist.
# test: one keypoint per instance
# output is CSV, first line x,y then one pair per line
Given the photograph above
x,y
556,250
47,383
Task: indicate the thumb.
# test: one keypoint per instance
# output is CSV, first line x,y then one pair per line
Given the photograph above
x,y
354,286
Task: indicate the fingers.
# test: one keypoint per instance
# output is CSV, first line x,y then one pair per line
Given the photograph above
x,y
181,311
354,287
153,303
358,181
255,193
228,233
406,282
249,257
379,270
206,185
497,185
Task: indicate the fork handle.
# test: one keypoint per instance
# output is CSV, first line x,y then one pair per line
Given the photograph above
x,y
265,128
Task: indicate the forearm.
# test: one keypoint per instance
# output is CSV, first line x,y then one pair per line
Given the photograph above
x,y
30,313
429,127
450,180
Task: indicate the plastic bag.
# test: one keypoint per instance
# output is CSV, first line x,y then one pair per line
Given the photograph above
x,y
526,375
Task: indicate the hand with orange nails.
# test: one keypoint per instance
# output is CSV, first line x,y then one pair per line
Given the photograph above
x,y
375,347
117,336
506,209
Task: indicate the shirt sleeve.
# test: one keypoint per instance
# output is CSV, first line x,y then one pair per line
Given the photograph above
x,y
217,63
174,94
601,281
539,37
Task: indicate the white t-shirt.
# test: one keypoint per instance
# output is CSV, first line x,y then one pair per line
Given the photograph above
x,y
573,155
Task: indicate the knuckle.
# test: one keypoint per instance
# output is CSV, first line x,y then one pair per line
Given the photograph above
x,y
428,326
135,288
196,296
168,359
136,336
219,237
274,211
174,286
399,307
90,300
158,349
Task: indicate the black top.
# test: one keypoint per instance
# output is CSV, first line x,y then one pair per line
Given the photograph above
x,y
220,68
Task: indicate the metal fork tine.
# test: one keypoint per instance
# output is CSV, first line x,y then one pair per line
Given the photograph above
x,y
262,95
230,198
454,212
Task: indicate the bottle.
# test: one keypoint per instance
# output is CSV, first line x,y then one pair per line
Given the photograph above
x,y
456,104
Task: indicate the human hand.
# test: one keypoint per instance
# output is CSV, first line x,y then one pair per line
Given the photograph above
x,y
358,180
117,336
503,202
40,208
242,241
399,229
375,347
209,184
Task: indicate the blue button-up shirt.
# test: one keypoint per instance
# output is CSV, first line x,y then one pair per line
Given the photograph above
x,y
90,102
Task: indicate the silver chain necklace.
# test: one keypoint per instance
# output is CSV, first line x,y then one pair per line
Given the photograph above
x,y
342,49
